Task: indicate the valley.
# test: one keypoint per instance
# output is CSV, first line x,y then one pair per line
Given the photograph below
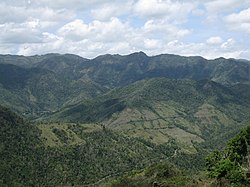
x,y
69,121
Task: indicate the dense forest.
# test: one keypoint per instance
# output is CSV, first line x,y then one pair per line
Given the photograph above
x,y
226,167
103,155
132,120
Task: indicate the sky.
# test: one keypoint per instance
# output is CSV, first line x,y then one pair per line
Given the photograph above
x,y
208,28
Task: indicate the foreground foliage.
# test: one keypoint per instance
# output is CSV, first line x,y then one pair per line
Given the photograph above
x,y
160,174
232,164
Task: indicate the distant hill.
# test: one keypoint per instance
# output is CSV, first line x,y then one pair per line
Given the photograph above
x,y
44,83
37,91
189,99
88,120
39,60
116,70
160,109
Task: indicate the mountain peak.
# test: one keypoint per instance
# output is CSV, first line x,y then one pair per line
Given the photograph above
x,y
139,54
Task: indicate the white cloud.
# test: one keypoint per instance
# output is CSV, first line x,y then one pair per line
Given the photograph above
x,y
72,5
50,44
175,11
215,40
230,43
203,49
215,9
164,29
19,14
110,10
19,33
75,30
243,16
98,37
246,54
7,48
88,40
239,21
198,12
120,48
217,6
96,31
91,28
152,43
11,14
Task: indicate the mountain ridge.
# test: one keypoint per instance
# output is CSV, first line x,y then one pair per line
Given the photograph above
x,y
156,108
89,119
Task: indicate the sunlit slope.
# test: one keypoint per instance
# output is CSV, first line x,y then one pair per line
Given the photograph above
x,y
160,109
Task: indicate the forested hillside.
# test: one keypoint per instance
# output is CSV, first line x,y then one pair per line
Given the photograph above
x,y
68,154
227,167
75,121
160,109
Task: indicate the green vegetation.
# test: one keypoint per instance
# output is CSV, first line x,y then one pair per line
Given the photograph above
x,y
76,154
89,121
68,154
160,174
19,150
161,109
228,167
231,165
39,85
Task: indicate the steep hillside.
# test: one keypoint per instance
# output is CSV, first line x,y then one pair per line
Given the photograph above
x,y
94,119
68,154
231,166
69,66
161,109
160,174
45,61
227,167
116,70
45,83
36,92
22,61
18,149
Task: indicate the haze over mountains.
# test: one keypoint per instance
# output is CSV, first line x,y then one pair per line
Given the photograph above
x,y
164,105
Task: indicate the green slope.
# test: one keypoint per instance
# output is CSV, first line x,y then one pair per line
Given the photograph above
x,y
68,154
35,92
41,84
47,61
160,109
117,70
160,174
226,167
114,114
230,166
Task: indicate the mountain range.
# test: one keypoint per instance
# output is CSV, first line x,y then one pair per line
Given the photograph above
x,y
190,95
72,78
188,105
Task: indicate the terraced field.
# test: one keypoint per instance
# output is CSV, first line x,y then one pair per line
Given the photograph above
x,y
59,134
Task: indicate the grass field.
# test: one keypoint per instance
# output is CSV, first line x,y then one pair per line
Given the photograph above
x,y
50,133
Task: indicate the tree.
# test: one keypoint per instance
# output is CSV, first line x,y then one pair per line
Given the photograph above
x,y
228,162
